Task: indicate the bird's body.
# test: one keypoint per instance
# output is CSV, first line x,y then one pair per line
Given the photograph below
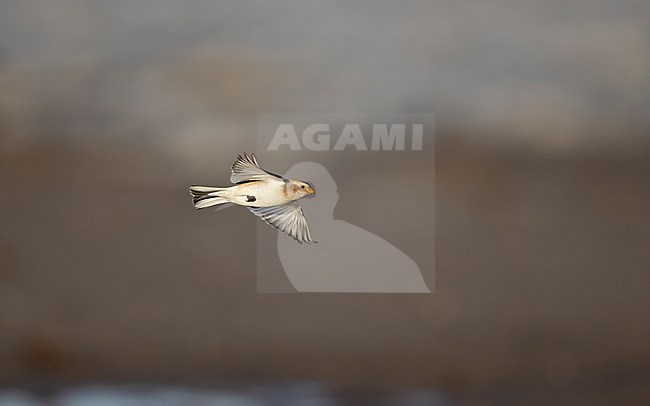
x,y
267,195
269,192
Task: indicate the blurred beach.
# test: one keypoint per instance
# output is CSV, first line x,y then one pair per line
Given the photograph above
x,y
110,278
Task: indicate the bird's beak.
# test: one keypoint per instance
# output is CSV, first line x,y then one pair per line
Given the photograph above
x,y
310,190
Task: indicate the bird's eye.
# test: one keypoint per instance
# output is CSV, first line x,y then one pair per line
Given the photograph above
x,y
302,186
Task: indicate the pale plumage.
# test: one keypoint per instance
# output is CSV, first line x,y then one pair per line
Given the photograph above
x,y
267,195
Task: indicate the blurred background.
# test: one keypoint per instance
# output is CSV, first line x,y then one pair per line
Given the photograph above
x,y
113,287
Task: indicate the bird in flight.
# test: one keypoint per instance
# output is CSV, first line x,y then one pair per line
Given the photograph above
x,y
271,197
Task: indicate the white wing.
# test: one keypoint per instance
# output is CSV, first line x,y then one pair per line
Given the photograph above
x,y
287,218
246,169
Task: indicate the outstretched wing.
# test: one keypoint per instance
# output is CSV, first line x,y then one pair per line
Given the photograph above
x,y
246,169
287,218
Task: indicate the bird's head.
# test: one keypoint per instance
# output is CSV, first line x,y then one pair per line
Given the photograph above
x,y
301,188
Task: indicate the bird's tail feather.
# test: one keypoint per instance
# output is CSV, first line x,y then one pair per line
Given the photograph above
x,y
206,196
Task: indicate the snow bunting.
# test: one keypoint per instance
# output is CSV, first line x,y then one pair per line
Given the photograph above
x,y
269,196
